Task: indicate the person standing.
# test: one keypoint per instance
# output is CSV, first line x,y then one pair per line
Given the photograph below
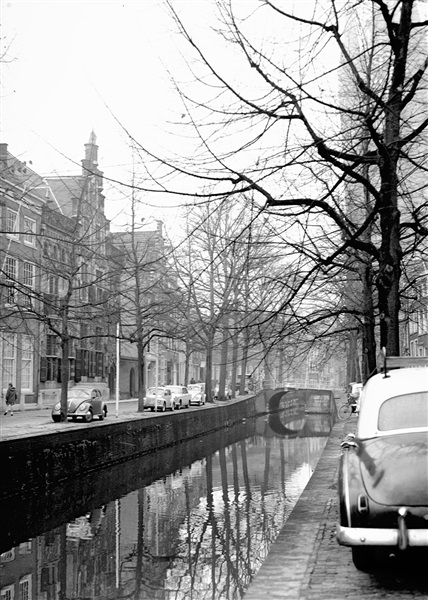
x,y
10,399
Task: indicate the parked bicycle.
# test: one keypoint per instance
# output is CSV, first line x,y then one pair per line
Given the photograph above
x,y
346,410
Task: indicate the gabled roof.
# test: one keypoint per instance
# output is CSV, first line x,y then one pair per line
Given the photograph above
x,y
22,180
65,189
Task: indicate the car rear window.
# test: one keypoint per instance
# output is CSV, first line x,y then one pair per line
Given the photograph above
x,y
404,412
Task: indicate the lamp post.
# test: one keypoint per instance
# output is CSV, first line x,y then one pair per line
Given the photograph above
x,y
117,368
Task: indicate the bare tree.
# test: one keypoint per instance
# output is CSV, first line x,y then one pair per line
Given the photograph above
x,y
301,145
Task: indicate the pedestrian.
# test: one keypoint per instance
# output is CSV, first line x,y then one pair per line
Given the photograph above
x,y
10,398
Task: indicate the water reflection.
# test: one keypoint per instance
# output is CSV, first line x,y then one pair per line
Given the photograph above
x,y
199,532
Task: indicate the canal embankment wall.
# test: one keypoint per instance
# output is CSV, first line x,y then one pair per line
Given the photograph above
x,y
38,461
79,467
47,459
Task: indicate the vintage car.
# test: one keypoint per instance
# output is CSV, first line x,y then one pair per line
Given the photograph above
x,y
82,403
159,398
383,470
180,395
197,393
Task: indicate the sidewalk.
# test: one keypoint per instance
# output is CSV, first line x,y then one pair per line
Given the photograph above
x,y
38,421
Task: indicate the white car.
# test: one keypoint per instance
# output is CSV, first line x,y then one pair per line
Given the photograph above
x,y
159,398
180,396
383,474
197,391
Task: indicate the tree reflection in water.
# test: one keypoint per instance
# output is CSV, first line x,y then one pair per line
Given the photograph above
x,y
201,532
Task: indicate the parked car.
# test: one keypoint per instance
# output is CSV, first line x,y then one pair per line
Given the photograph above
x,y
227,392
159,398
84,404
383,474
180,395
197,393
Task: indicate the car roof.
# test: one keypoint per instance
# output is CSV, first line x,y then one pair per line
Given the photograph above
x,y
380,388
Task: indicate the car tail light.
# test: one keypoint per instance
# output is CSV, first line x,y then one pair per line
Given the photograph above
x,y
363,504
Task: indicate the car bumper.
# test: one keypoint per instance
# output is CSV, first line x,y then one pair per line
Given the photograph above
x,y
372,536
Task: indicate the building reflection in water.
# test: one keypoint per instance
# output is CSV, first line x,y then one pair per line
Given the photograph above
x,y
199,533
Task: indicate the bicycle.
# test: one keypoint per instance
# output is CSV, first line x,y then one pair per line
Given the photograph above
x,y
346,410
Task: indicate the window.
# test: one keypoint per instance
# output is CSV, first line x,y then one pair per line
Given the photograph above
x,y
25,592
28,281
404,412
9,358
53,285
25,547
11,222
7,593
98,338
53,362
27,363
28,274
29,231
51,345
10,267
8,556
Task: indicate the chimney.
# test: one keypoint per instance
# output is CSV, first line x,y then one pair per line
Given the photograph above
x,y
3,151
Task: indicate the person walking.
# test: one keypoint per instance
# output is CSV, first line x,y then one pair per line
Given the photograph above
x,y
10,399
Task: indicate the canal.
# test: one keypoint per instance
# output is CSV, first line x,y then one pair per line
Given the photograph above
x,y
197,530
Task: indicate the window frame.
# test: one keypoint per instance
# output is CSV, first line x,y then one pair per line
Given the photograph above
x,y
29,235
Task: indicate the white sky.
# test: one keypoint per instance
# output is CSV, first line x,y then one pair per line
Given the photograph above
x,y
65,61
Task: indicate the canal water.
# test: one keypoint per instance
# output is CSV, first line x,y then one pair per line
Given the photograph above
x,y
200,531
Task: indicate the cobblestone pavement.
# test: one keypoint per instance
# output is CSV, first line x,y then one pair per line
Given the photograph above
x,y
307,563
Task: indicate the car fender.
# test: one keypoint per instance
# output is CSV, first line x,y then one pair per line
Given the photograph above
x,y
350,485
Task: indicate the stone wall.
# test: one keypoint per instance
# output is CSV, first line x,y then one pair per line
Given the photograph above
x,y
41,461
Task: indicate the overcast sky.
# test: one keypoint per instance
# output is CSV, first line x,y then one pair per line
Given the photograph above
x,y
69,65
73,66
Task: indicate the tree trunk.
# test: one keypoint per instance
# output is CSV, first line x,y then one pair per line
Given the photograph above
x,y
234,361
208,371
141,375
65,340
244,362
368,359
222,391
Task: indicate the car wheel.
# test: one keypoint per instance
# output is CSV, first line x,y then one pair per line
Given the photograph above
x,y
88,417
364,557
56,418
163,407
152,408
103,414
